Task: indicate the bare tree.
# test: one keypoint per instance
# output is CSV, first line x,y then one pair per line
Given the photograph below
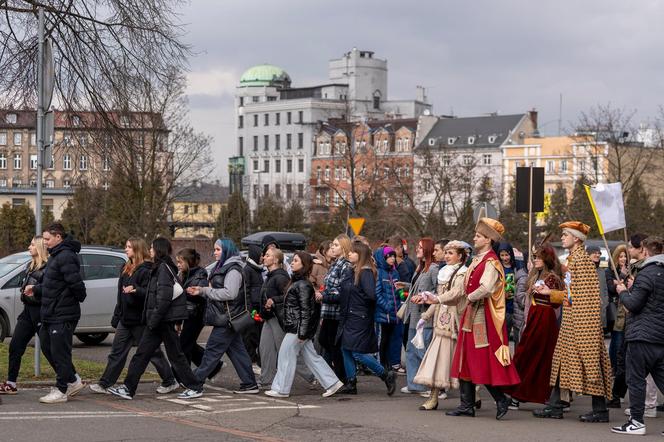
x,y
96,44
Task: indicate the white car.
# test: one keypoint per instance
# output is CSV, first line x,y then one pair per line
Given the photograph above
x,y
100,268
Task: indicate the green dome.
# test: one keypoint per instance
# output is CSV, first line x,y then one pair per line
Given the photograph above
x,y
265,75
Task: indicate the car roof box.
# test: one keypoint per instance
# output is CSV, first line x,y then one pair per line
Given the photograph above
x,y
285,240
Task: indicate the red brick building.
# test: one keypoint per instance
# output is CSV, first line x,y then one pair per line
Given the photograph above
x,y
353,162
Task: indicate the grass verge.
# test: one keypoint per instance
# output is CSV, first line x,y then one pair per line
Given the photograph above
x,y
88,370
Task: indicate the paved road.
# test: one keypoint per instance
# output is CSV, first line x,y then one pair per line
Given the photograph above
x,y
305,416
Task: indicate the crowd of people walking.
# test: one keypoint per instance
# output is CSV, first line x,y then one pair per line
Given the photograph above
x,y
445,319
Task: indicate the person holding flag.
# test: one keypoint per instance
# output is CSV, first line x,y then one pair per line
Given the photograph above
x,y
580,360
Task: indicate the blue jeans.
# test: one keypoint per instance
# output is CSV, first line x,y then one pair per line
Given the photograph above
x,y
225,340
414,358
617,338
367,360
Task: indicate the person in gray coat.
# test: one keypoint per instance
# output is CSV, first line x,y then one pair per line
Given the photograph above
x,y
425,279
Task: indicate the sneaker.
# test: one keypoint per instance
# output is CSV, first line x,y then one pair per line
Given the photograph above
x,y
54,397
96,388
75,387
425,393
256,369
313,385
7,388
190,394
165,389
648,412
276,394
442,396
631,427
333,389
120,391
405,390
399,370
247,390
513,405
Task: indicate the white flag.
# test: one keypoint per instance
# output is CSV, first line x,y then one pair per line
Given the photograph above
x,y
608,207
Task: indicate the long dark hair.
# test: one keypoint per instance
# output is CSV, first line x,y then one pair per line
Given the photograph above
x,y
364,260
307,264
162,253
190,257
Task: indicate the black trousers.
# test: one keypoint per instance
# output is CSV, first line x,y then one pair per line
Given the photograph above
x,y
252,338
468,394
643,359
191,329
125,338
150,341
332,354
56,342
620,376
27,325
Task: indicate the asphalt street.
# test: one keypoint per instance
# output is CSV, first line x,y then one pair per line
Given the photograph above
x,y
305,416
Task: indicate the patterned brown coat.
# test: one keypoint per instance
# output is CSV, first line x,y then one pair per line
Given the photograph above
x,y
580,358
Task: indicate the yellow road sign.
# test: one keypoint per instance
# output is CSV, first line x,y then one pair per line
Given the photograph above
x,y
356,224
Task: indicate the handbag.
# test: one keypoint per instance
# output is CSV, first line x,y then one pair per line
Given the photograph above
x,y
216,316
177,288
243,320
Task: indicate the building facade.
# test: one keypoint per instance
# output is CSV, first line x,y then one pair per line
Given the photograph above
x,y
355,161
195,208
83,150
457,159
276,123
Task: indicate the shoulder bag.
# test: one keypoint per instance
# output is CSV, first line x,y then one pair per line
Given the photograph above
x,y
177,288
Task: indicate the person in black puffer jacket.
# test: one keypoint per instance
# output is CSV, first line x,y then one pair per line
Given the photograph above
x,y
61,291
163,315
128,320
28,322
301,317
253,277
192,275
645,331
227,298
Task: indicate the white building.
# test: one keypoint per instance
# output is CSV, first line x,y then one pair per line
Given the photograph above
x,y
276,123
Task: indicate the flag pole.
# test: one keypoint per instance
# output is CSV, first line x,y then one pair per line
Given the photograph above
x,y
601,232
629,263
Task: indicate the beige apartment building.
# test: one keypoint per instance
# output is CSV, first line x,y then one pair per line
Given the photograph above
x,y
82,150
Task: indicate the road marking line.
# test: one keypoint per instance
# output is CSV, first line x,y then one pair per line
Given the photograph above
x,y
202,407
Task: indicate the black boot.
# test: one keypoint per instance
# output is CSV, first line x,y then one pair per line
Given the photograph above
x,y
349,387
467,405
549,413
502,402
613,403
595,416
390,379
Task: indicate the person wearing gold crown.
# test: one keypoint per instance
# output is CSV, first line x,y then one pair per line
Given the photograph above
x,y
580,360
482,355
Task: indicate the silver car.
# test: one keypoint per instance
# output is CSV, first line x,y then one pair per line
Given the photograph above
x,y
100,268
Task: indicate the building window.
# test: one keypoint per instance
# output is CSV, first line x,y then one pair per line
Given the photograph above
x,y
209,209
447,160
240,145
255,143
271,98
255,165
66,183
241,101
11,118
582,166
240,122
300,190
266,142
277,119
277,190
50,184
376,102
337,174
289,141
300,140
471,140
300,117
52,164
492,139
3,138
3,161
106,185
18,202
343,173
106,163
195,209
255,191
3,182
185,209
467,160
550,167
486,159
563,166
266,189
319,171
266,119
289,118
124,121
289,191
33,138
277,141
17,182
83,162
18,138
266,166
277,166
255,120
300,165
33,162
336,199
451,140
17,161
327,172
289,166
319,198
432,141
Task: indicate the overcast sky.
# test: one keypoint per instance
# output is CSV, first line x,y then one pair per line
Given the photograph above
x,y
473,57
